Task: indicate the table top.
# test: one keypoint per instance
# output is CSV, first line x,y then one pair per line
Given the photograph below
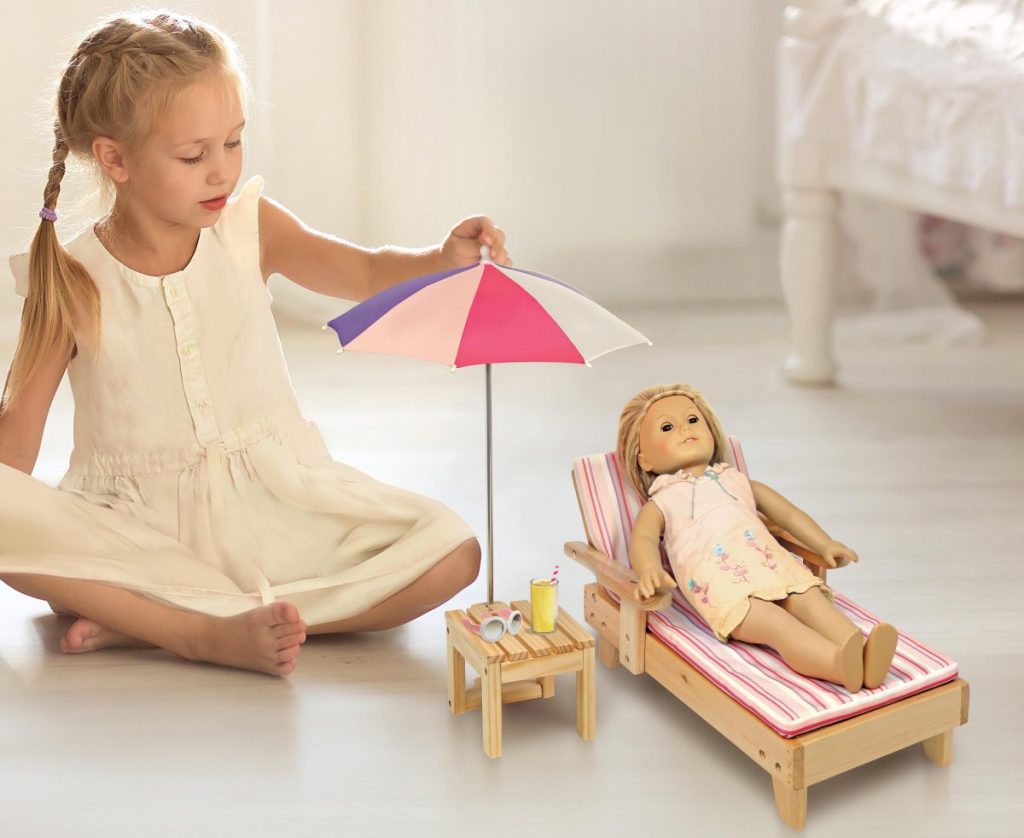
x,y
568,635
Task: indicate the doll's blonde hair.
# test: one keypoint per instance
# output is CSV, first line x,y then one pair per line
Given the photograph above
x,y
632,417
123,74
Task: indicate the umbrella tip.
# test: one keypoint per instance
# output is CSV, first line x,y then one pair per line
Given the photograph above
x,y
452,368
485,253
340,351
323,328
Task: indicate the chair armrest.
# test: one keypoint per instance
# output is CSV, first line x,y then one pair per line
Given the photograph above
x,y
616,578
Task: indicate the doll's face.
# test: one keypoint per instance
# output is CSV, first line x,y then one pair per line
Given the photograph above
x,y
674,435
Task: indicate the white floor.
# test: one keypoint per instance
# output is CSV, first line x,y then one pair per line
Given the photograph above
x,y
915,460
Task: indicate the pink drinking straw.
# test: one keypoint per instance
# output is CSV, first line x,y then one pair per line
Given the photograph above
x,y
554,575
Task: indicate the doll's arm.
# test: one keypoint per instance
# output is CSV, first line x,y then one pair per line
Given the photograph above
x,y
800,524
645,553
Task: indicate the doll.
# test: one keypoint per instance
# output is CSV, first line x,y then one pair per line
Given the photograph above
x,y
742,582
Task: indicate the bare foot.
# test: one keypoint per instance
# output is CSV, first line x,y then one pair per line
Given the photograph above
x,y
266,639
850,662
86,635
878,653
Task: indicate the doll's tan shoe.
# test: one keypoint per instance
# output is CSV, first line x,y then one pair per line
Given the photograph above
x,y
878,651
851,660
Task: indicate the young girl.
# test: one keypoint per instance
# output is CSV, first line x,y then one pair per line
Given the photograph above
x,y
200,512
732,571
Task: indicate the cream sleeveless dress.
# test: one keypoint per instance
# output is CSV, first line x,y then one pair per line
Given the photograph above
x,y
195,479
720,551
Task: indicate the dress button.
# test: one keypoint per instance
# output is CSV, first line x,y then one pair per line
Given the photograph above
x,y
203,406
188,349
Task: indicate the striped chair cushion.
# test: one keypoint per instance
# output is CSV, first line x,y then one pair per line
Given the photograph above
x,y
755,676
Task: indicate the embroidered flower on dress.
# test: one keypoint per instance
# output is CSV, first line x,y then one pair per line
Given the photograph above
x,y
701,590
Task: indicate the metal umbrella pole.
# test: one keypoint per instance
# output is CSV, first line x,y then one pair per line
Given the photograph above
x,y
490,500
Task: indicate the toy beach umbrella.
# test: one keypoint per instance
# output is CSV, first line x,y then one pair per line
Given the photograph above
x,y
484,314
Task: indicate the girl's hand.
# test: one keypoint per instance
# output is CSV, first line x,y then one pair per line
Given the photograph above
x,y
462,247
837,554
651,580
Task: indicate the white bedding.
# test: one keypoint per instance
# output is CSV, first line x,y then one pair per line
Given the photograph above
x,y
928,89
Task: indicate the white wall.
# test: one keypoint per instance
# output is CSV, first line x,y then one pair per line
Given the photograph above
x,y
617,142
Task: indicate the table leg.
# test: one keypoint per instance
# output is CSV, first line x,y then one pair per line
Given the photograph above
x,y
490,700
547,686
456,678
586,709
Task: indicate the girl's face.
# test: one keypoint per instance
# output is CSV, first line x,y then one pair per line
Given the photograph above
x,y
674,435
193,156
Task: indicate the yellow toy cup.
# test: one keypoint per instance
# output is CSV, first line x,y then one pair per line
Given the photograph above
x,y
543,605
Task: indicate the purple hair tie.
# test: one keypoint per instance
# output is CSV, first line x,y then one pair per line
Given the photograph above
x,y
48,214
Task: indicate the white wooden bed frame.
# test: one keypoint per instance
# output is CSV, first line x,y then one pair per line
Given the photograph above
x,y
812,176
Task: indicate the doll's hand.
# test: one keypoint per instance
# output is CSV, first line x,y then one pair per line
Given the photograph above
x,y
837,554
462,247
650,581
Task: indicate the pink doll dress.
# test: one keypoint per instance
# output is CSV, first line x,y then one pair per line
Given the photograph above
x,y
720,551
195,479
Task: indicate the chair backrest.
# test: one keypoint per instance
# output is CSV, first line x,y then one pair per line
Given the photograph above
x,y
609,504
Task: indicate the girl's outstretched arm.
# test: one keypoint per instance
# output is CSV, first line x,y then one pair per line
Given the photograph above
x,y
337,268
802,525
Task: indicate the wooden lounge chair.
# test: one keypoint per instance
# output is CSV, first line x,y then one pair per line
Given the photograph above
x,y
800,730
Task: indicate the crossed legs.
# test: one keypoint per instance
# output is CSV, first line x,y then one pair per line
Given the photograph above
x,y
266,639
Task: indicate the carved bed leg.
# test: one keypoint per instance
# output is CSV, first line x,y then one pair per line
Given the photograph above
x,y
808,267
810,232
791,803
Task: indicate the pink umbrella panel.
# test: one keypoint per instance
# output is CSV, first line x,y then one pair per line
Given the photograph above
x,y
484,314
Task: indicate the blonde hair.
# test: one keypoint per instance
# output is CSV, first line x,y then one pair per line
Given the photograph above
x,y
123,74
632,417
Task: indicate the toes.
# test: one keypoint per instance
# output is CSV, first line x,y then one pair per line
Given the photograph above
x,y
286,668
285,612
290,640
288,629
285,655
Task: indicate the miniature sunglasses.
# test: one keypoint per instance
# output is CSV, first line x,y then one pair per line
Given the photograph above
x,y
495,623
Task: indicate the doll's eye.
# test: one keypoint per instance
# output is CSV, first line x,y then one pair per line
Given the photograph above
x,y
666,426
693,420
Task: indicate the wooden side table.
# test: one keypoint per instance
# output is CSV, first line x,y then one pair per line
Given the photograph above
x,y
518,668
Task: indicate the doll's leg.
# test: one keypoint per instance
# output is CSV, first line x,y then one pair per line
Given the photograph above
x,y
450,575
803,648
813,609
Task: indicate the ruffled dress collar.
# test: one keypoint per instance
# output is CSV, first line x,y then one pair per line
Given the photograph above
x,y
681,476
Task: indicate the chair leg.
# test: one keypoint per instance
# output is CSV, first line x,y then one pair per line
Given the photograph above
x,y
939,749
791,804
608,653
